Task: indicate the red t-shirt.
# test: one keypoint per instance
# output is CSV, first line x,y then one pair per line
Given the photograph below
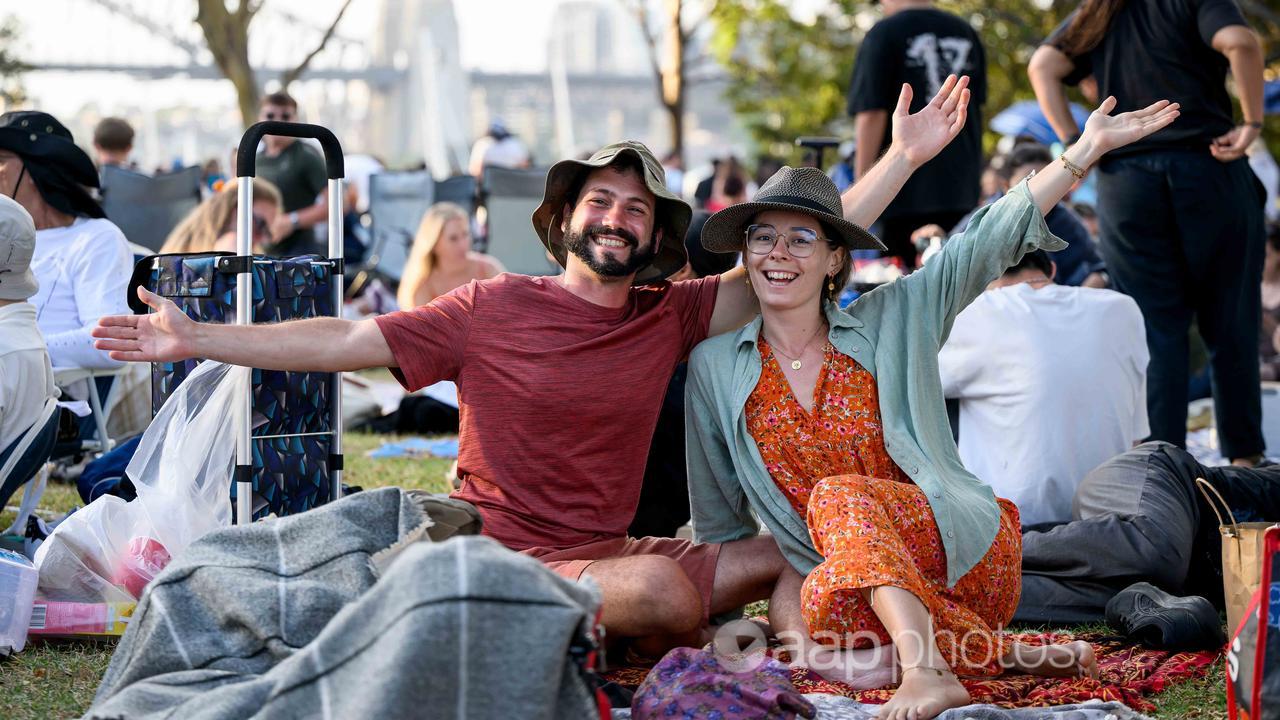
x,y
558,397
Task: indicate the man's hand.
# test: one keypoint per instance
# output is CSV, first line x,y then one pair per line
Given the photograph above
x,y
1095,280
928,231
1234,144
922,135
281,227
167,335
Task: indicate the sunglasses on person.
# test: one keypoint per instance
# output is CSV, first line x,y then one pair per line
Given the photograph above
x,y
800,242
260,225
284,116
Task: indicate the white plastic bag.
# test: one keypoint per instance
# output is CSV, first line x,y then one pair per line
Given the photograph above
x,y
110,550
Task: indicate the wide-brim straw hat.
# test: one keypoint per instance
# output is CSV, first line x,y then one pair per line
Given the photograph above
x,y
670,212
805,190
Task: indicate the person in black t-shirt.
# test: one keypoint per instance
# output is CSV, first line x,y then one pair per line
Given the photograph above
x,y
1180,212
919,45
299,172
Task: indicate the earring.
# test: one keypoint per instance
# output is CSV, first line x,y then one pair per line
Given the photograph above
x,y
748,280
831,286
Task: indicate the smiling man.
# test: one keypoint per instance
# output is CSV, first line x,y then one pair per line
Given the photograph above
x,y
561,378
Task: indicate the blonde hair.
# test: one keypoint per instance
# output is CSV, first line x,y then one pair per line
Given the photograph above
x,y
200,230
417,269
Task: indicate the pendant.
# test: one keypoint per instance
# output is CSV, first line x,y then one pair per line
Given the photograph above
x,y
795,365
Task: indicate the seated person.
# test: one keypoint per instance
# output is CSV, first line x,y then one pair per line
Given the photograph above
x,y
1079,263
26,378
442,258
830,427
664,497
82,261
113,143
1139,517
212,225
1052,381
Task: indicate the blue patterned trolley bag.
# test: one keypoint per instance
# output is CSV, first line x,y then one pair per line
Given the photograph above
x,y
290,455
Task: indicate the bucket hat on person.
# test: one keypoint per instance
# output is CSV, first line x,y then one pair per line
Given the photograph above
x,y
806,190
17,245
52,160
670,212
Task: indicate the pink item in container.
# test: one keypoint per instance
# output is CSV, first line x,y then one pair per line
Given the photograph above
x,y
143,559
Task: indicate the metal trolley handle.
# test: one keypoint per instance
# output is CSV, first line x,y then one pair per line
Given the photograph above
x,y
246,167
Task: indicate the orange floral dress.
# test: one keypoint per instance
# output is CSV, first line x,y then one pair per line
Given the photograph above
x,y
871,524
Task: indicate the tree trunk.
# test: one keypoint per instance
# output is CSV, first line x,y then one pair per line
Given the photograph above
x,y
673,76
227,35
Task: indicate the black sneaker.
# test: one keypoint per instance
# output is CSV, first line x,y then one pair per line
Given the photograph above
x,y
1158,620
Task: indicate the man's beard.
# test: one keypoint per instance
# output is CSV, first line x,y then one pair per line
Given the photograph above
x,y
581,245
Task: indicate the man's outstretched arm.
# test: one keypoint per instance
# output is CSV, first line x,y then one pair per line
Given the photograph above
x,y
316,345
917,138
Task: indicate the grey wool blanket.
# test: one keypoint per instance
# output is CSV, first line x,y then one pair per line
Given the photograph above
x,y
289,618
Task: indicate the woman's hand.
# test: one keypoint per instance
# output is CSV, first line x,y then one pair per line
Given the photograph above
x,y
1102,134
1105,132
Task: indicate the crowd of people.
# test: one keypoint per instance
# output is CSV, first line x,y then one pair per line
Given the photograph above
x,y
902,538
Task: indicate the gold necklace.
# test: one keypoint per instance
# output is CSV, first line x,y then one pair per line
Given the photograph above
x,y
795,361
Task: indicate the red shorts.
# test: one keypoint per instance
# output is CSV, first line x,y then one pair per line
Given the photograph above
x,y
697,560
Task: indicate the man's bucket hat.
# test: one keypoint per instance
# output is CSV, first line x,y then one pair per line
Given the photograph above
x,y
806,190
670,212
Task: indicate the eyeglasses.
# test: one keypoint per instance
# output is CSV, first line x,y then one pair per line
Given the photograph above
x,y
800,242
283,117
260,225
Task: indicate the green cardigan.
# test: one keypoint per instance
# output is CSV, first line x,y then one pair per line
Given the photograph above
x,y
894,332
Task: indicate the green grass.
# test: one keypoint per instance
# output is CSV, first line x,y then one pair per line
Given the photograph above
x,y
57,679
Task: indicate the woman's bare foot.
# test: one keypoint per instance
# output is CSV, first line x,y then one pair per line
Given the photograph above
x,y
923,695
866,669
1073,659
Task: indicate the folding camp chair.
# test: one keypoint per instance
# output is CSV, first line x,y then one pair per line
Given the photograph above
x,y
67,378
397,202
511,196
145,208
23,459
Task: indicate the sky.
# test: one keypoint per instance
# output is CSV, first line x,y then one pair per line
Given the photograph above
x,y
70,30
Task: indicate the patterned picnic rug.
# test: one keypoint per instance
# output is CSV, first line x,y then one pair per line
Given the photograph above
x,y
1127,673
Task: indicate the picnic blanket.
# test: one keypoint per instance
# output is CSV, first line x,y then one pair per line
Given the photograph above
x,y
287,618
415,448
834,707
1127,673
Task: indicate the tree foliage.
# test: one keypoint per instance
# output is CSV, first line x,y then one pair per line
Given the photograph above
x,y
11,68
788,75
226,32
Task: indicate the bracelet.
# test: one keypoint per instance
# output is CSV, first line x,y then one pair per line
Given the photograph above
x,y
1071,167
1255,125
941,672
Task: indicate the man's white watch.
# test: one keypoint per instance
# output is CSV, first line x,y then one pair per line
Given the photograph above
x,y
293,219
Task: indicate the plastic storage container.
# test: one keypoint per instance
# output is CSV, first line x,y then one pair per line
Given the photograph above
x,y
18,578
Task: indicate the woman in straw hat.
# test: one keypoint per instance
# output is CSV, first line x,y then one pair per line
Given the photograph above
x,y
830,425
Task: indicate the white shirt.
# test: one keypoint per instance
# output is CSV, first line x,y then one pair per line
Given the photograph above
x,y
508,152
83,270
1051,382
26,379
